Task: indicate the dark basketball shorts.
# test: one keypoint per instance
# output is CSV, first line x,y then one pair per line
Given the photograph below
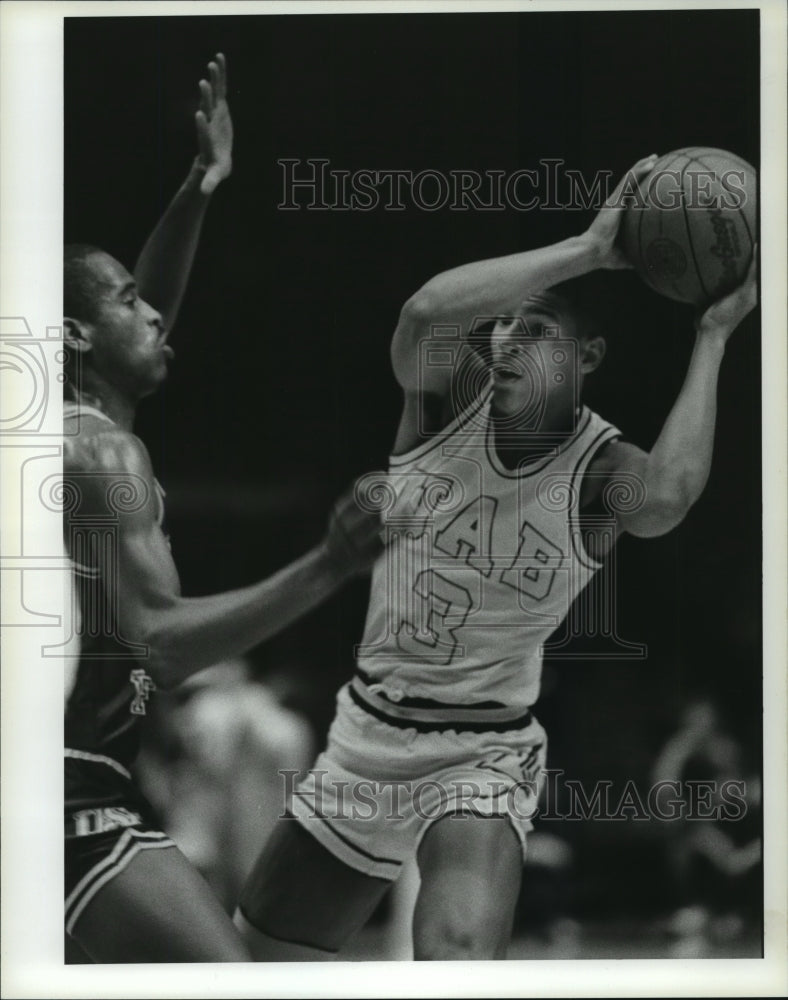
x,y
107,823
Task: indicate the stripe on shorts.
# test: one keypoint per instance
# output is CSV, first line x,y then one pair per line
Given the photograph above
x,y
128,846
97,758
342,847
408,719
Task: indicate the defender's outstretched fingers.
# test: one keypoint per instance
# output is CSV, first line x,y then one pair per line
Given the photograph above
x,y
221,64
213,71
206,98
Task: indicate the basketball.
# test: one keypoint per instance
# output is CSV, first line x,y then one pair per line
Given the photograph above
x,y
690,230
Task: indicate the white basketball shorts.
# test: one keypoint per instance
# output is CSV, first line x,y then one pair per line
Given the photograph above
x,y
390,771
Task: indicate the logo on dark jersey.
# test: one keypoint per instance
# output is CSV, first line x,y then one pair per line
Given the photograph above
x,y
143,686
90,821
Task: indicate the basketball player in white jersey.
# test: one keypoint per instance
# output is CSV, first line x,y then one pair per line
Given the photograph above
x,y
497,513
131,896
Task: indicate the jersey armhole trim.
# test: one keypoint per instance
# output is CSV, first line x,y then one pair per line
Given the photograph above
x,y
467,415
604,437
531,468
71,411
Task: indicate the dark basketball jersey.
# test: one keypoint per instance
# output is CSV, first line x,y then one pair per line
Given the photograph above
x,y
108,699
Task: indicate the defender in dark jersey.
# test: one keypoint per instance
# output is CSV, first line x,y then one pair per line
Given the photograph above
x,y
131,896
495,484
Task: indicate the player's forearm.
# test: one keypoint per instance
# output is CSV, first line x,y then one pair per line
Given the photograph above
x,y
679,463
498,285
193,633
163,269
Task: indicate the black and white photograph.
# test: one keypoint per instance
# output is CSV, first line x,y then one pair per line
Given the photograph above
x,y
393,449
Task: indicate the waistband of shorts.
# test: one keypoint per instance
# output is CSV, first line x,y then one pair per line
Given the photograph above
x,y
427,716
97,758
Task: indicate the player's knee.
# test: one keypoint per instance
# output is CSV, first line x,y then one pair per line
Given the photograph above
x,y
450,938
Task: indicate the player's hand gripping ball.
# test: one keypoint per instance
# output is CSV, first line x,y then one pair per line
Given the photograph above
x,y
690,231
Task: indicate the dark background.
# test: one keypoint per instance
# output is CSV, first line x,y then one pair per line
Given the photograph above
x,y
281,391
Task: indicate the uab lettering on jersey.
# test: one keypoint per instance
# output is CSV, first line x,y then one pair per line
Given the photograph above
x,y
446,572
143,686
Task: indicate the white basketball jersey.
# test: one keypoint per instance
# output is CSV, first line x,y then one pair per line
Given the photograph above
x,y
482,566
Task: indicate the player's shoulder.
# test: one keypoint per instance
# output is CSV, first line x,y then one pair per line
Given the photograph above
x,y
106,449
108,470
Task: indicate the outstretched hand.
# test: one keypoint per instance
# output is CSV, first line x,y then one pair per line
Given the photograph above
x,y
723,316
214,127
603,230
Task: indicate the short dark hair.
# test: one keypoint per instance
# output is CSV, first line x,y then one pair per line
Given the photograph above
x,y
79,302
79,281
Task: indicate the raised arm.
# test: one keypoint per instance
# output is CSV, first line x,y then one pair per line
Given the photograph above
x,y
183,635
165,263
494,287
676,469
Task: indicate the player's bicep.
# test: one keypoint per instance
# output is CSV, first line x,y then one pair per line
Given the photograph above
x,y
130,557
638,508
146,581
